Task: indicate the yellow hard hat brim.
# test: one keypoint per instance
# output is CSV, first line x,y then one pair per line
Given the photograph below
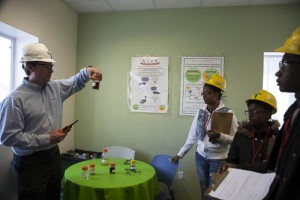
x,y
285,50
292,43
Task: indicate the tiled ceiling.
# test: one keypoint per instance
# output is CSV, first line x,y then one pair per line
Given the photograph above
x,y
94,6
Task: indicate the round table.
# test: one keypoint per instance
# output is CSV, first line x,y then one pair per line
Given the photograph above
x,y
103,185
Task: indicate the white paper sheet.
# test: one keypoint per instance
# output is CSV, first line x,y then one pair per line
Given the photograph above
x,y
243,184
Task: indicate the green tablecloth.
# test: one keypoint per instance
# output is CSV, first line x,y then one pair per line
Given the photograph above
x,y
103,185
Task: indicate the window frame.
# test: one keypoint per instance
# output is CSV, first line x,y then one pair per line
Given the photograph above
x,y
19,38
12,58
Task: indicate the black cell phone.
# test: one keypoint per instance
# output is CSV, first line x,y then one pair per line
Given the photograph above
x,y
70,125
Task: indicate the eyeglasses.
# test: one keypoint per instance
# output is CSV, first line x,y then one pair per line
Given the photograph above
x,y
46,65
207,93
254,112
284,63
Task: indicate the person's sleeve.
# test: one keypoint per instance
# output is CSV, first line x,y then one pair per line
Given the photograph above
x,y
191,139
227,139
12,125
233,154
73,84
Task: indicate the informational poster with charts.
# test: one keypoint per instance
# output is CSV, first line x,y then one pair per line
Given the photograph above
x,y
194,72
149,84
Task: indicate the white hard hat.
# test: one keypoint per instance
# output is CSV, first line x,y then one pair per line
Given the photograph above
x,y
36,52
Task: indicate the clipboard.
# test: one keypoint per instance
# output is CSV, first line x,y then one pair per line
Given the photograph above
x,y
265,181
221,122
217,178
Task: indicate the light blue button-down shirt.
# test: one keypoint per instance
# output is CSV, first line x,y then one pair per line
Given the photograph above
x,y
31,112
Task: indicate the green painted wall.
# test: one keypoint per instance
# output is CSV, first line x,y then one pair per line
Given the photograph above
x,y
109,40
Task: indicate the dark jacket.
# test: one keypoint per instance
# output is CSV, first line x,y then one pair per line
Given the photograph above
x,y
241,150
289,167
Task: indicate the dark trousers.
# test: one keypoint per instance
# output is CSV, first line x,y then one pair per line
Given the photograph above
x,y
39,175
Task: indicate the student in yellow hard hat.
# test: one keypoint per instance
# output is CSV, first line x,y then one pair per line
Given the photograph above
x,y
212,146
285,158
254,140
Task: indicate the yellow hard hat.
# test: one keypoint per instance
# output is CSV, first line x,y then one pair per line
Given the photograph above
x,y
292,44
266,97
217,80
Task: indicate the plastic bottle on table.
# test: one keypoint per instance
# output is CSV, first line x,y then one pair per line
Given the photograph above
x,y
112,168
85,172
104,158
132,164
92,169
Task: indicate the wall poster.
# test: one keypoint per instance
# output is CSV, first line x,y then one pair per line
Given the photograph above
x,y
149,84
194,71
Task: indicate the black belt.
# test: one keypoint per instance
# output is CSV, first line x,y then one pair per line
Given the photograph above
x,y
47,152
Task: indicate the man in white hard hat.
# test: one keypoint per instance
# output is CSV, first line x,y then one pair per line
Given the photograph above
x,y
285,158
31,123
